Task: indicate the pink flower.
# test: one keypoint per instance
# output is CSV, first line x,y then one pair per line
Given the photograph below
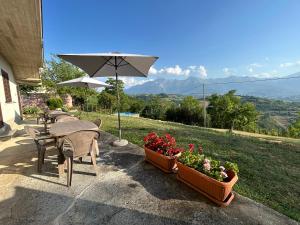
x,y
206,166
224,175
206,161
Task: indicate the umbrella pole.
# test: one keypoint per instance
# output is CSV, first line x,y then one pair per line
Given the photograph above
x,y
118,99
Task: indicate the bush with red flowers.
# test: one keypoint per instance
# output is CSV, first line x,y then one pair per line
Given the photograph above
x,y
165,145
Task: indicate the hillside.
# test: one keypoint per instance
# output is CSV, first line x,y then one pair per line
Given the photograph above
x,y
278,89
275,115
269,170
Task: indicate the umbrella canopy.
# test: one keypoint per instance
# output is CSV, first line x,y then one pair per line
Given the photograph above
x,y
85,82
105,64
112,64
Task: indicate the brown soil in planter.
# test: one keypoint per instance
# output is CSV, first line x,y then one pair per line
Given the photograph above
x,y
165,163
204,184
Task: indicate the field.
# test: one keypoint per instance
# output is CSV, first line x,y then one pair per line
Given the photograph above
x,y
269,169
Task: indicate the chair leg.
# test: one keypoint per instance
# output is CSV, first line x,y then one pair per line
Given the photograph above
x,y
93,156
70,170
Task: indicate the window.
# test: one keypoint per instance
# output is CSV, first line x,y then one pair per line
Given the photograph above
x,y
6,86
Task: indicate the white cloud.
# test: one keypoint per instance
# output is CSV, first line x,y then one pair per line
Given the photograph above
x,y
227,71
152,70
131,81
289,64
192,67
202,71
255,65
273,73
179,71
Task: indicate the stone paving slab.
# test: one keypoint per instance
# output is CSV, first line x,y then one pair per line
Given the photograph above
x,y
127,191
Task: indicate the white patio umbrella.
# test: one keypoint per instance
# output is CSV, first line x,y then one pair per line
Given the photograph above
x,y
84,82
112,64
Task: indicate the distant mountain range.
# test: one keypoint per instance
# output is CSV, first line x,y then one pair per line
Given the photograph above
x,y
287,89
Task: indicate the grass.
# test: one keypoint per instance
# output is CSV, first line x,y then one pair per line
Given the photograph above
x,y
269,171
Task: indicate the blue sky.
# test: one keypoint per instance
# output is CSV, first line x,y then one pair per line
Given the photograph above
x,y
192,37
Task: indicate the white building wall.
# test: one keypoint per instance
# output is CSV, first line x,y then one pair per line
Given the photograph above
x,y
10,111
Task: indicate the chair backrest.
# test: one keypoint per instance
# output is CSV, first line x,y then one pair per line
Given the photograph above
x,y
79,143
98,122
64,118
33,133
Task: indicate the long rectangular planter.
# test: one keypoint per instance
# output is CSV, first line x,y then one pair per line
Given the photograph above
x,y
219,192
165,163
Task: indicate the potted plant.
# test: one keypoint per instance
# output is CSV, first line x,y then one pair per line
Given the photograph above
x,y
207,176
161,151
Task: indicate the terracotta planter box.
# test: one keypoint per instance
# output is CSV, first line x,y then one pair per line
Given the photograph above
x,y
165,163
219,192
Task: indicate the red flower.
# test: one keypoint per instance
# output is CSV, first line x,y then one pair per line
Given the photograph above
x,y
160,151
160,144
191,146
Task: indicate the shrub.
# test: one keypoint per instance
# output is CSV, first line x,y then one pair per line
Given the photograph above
x,y
54,103
29,110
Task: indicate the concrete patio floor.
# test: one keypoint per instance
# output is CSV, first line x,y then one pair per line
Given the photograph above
x,y
127,191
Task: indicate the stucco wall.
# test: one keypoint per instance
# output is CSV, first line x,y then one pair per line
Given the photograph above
x,y
10,111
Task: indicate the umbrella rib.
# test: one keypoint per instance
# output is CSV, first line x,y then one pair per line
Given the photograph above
x,y
101,66
123,59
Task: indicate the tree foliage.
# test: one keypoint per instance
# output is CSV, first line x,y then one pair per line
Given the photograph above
x,y
227,111
156,108
294,129
188,112
58,70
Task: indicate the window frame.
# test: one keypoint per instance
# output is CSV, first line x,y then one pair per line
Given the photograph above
x,y
6,86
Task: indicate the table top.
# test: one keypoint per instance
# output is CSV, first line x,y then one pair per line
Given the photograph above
x,y
65,128
56,113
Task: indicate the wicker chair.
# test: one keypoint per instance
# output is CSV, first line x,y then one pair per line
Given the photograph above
x,y
65,118
98,122
77,145
44,118
42,142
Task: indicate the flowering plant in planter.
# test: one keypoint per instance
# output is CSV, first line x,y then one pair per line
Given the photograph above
x,y
210,167
165,145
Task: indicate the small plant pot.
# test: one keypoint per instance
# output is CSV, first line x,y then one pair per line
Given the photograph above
x,y
165,163
218,192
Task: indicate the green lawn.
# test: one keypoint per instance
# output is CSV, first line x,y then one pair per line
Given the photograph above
x,y
269,172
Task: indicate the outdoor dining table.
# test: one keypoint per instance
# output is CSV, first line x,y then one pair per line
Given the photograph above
x,y
59,130
55,113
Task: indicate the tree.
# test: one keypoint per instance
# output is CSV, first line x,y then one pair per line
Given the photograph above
x,y
107,101
227,111
58,70
188,112
156,108
26,89
294,129
113,88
